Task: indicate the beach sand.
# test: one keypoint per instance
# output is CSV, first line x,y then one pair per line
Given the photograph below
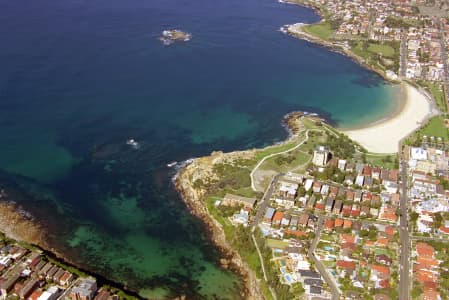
x,y
384,136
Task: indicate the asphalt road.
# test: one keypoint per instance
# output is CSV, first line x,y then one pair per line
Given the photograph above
x,y
404,262
265,201
330,280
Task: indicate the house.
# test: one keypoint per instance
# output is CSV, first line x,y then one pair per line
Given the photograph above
x,y
7,285
333,191
66,278
285,220
269,215
364,211
348,266
359,180
341,164
317,186
288,190
234,200
28,288
84,289
393,176
383,259
329,224
311,202
277,218
338,222
337,207
350,195
303,219
294,222
366,171
390,186
308,184
324,189
346,211
355,211
375,174
358,196
368,182
329,204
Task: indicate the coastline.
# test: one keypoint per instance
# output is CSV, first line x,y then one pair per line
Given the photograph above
x,y
20,225
385,135
296,30
195,199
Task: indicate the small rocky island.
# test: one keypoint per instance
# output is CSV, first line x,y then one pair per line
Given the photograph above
x,y
170,36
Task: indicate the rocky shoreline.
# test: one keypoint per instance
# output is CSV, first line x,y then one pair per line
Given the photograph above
x,y
194,198
295,30
19,224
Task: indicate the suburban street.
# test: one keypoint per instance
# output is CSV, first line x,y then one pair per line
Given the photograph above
x,y
265,201
404,262
330,280
444,58
403,55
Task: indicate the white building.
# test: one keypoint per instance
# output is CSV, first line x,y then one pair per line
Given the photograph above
x,y
320,156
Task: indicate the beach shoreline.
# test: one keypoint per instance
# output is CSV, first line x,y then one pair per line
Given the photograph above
x,y
385,135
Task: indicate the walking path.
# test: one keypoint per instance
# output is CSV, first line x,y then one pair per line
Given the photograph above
x,y
253,185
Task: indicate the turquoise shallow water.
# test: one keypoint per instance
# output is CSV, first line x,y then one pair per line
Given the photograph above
x,y
79,78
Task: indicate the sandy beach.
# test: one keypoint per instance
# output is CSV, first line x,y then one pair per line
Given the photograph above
x,y
384,136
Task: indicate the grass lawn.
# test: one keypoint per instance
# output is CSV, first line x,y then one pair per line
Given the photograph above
x,y
300,158
271,150
435,128
437,92
384,50
382,160
278,244
322,30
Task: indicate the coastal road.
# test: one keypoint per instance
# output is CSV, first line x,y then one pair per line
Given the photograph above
x,y
444,58
404,262
265,201
330,280
403,55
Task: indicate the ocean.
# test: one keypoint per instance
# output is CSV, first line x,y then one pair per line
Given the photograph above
x,y
79,78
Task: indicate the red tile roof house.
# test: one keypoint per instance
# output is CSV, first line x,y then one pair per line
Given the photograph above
x,y
277,218
320,206
379,272
393,175
329,225
348,266
338,222
366,171
424,250
346,211
355,212
347,223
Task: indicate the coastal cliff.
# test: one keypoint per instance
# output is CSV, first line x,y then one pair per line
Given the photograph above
x,y
195,196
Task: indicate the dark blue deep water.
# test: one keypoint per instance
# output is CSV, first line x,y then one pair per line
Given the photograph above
x,y
78,78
